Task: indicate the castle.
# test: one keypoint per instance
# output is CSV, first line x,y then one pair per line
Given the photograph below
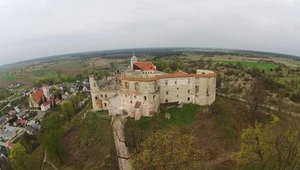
x,y
141,90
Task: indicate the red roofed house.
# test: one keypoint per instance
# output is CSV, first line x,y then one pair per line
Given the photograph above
x,y
46,105
144,66
57,100
39,97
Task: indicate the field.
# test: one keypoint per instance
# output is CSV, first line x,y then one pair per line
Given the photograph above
x,y
249,64
27,75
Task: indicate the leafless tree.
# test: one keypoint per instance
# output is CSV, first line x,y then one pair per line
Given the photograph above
x,y
256,96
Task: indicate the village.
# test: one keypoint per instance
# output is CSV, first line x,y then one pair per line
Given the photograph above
x,y
24,110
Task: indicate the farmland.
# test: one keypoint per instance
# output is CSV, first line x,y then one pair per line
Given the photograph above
x,y
250,64
27,75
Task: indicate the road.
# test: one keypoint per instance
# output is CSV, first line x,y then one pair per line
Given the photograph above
x,y
239,98
11,101
122,151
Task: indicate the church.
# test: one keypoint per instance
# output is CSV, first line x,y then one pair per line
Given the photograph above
x,y
141,90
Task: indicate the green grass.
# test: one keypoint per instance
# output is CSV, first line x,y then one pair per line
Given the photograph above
x,y
73,64
104,115
265,66
67,65
179,117
9,77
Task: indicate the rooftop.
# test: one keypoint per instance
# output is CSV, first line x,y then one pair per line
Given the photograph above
x,y
37,95
144,66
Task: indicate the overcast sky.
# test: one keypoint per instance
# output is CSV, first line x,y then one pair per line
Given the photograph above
x,y
39,28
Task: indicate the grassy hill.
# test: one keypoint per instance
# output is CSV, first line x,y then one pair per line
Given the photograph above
x,y
216,129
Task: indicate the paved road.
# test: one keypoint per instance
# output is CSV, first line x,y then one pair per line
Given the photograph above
x,y
122,151
11,101
239,98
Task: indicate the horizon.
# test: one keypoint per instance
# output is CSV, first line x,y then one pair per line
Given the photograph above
x,y
37,29
210,48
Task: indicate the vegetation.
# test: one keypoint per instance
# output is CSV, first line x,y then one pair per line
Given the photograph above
x,y
19,158
178,117
271,146
167,150
67,110
52,136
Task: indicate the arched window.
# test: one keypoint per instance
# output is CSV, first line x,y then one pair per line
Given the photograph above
x,y
136,86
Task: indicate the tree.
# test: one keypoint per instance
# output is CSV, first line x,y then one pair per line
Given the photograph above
x,y
18,157
273,146
75,101
52,132
79,76
256,96
54,145
167,150
67,110
58,94
58,72
54,104
167,70
53,121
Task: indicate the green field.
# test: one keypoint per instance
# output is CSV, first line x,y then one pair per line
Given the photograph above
x,y
249,64
179,117
28,75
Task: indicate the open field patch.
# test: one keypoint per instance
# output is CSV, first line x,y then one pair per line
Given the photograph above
x,y
249,64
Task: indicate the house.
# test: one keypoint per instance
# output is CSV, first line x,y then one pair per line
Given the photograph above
x,y
20,122
21,115
12,112
141,90
86,87
39,99
46,105
17,109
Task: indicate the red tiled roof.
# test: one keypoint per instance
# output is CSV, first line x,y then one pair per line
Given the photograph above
x,y
179,72
10,145
11,112
21,121
37,95
57,100
144,65
47,102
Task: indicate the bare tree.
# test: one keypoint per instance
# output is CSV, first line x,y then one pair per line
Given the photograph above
x,y
256,96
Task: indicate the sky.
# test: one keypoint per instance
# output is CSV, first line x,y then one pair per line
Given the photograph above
x,y
39,28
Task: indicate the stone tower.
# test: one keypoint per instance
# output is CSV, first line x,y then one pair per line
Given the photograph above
x,y
133,60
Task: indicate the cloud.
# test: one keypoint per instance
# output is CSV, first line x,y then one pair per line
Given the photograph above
x,y
31,28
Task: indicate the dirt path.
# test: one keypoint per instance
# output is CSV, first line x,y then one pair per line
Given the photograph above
x,y
45,160
122,151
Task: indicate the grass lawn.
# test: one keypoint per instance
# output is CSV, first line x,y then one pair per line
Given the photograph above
x,y
250,64
179,117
